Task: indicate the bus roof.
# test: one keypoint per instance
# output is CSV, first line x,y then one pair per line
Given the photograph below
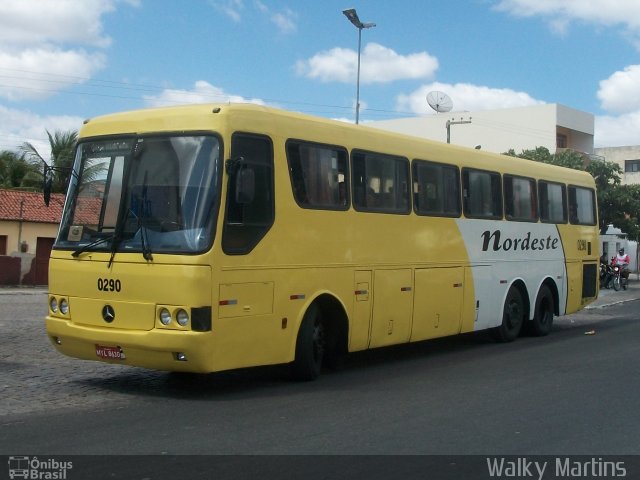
x,y
286,124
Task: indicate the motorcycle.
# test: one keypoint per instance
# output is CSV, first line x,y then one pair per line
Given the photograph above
x,y
618,279
606,275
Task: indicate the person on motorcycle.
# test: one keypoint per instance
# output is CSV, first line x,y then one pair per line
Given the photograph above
x,y
622,260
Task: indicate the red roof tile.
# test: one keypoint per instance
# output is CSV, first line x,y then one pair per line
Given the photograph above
x,y
30,207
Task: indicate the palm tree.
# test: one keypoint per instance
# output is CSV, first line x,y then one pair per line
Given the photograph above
x,y
17,172
62,149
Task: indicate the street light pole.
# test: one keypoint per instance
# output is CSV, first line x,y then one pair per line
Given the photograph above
x,y
353,18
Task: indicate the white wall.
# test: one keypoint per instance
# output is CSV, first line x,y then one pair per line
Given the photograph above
x,y
619,155
500,130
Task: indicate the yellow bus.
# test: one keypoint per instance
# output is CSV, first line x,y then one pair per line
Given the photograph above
x,y
205,238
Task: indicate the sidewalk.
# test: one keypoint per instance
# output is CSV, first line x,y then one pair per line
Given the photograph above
x,y
22,290
609,297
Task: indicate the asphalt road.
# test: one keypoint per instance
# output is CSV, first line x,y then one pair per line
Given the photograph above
x,y
571,393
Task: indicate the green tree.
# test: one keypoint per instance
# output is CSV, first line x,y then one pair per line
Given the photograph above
x,y
62,146
17,172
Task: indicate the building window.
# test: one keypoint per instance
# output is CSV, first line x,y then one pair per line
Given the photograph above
x,y
3,244
561,141
632,166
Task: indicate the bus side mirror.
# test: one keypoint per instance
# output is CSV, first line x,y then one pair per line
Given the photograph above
x,y
245,180
245,186
47,185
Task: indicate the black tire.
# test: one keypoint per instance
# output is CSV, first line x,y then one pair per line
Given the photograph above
x,y
310,346
543,313
616,283
512,317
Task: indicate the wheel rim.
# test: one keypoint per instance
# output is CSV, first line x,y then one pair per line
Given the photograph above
x,y
318,341
514,314
545,312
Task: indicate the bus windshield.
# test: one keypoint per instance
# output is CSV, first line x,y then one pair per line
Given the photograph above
x,y
145,194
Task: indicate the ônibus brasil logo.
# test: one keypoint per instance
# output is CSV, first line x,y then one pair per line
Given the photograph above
x,y
38,469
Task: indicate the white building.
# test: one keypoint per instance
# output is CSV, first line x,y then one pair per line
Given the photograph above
x,y
627,157
552,126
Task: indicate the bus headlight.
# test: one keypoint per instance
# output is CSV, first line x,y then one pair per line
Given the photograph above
x,y
182,318
64,306
165,316
53,305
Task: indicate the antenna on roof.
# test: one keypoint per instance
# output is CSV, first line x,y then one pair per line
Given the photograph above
x,y
439,101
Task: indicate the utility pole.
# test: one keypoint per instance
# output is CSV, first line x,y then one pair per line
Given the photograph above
x,y
454,122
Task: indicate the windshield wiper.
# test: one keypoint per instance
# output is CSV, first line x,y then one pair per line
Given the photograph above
x,y
146,248
92,244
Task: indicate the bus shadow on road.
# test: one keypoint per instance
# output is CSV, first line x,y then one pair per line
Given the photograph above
x,y
360,367
277,380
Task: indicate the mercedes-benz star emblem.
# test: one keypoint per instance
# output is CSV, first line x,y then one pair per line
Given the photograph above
x,y
108,313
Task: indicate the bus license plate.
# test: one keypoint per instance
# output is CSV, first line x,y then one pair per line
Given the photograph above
x,y
109,353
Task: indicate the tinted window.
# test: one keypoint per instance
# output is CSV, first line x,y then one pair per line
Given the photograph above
x,y
482,194
436,189
520,199
582,206
250,201
318,175
380,183
553,202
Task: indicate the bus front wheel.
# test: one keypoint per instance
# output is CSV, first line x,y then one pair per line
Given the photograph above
x,y
512,317
310,346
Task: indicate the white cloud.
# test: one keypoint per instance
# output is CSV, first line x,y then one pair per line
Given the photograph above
x,y
612,131
38,36
560,14
231,8
19,126
34,22
465,96
620,93
202,92
378,64
21,77
285,20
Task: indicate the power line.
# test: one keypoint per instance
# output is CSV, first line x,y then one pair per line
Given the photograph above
x,y
74,81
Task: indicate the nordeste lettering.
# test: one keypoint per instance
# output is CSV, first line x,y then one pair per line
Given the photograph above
x,y
493,240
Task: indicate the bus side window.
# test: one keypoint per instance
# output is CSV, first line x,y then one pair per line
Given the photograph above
x,y
552,198
436,189
247,220
482,194
318,175
582,206
520,198
380,183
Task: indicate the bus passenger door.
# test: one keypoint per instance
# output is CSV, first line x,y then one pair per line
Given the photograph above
x,y
392,306
361,320
438,302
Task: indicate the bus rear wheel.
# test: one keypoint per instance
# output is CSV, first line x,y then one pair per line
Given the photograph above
x,y
512,317
543,313
310,346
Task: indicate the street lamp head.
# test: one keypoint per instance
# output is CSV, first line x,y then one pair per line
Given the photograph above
x,y
353,18
351,14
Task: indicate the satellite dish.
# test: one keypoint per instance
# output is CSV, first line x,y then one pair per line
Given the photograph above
x,y
439,101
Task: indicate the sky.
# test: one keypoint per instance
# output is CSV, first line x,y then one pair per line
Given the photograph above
x,y
63,61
